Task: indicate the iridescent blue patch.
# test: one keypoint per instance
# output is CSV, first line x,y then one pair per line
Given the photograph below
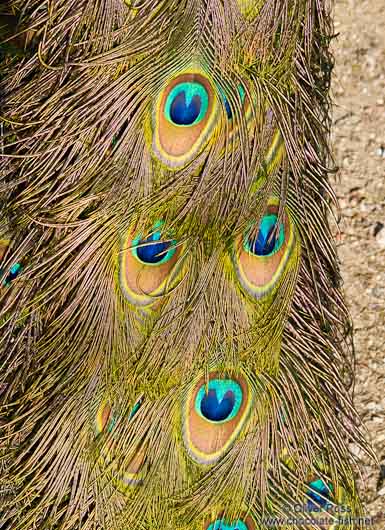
x,y
242,94
187,104
222,524
153,251
267,241
183,113
215,410
14,271
220,402
320,496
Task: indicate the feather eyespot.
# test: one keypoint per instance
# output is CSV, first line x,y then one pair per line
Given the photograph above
x,y
152,250
148,266
264,253
320,495
269,238
13,273
131,473
183,119
214,414
323,496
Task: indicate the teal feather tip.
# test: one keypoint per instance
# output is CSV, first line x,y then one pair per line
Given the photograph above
x,y
131,414
215,412
14,272
135,409
319,493
221,524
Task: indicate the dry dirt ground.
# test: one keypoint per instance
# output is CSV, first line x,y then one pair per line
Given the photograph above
x,y
359,146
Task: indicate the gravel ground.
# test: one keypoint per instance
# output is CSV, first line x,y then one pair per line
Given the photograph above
x,y
359,146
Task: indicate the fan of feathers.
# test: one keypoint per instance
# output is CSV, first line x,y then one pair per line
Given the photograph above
x,y
175,349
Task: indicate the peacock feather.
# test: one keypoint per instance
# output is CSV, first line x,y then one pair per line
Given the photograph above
x,y
175,348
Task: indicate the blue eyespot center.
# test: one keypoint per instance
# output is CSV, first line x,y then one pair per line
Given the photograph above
x,y
183,113
220,402
14,271
267,241
153,251
215,410
187,104
221,524
320,495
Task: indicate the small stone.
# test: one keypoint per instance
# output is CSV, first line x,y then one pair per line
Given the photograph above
x,y
374,407
380,151
356,451
377,228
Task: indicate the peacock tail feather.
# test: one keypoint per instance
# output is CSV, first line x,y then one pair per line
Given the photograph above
x,y
175,348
